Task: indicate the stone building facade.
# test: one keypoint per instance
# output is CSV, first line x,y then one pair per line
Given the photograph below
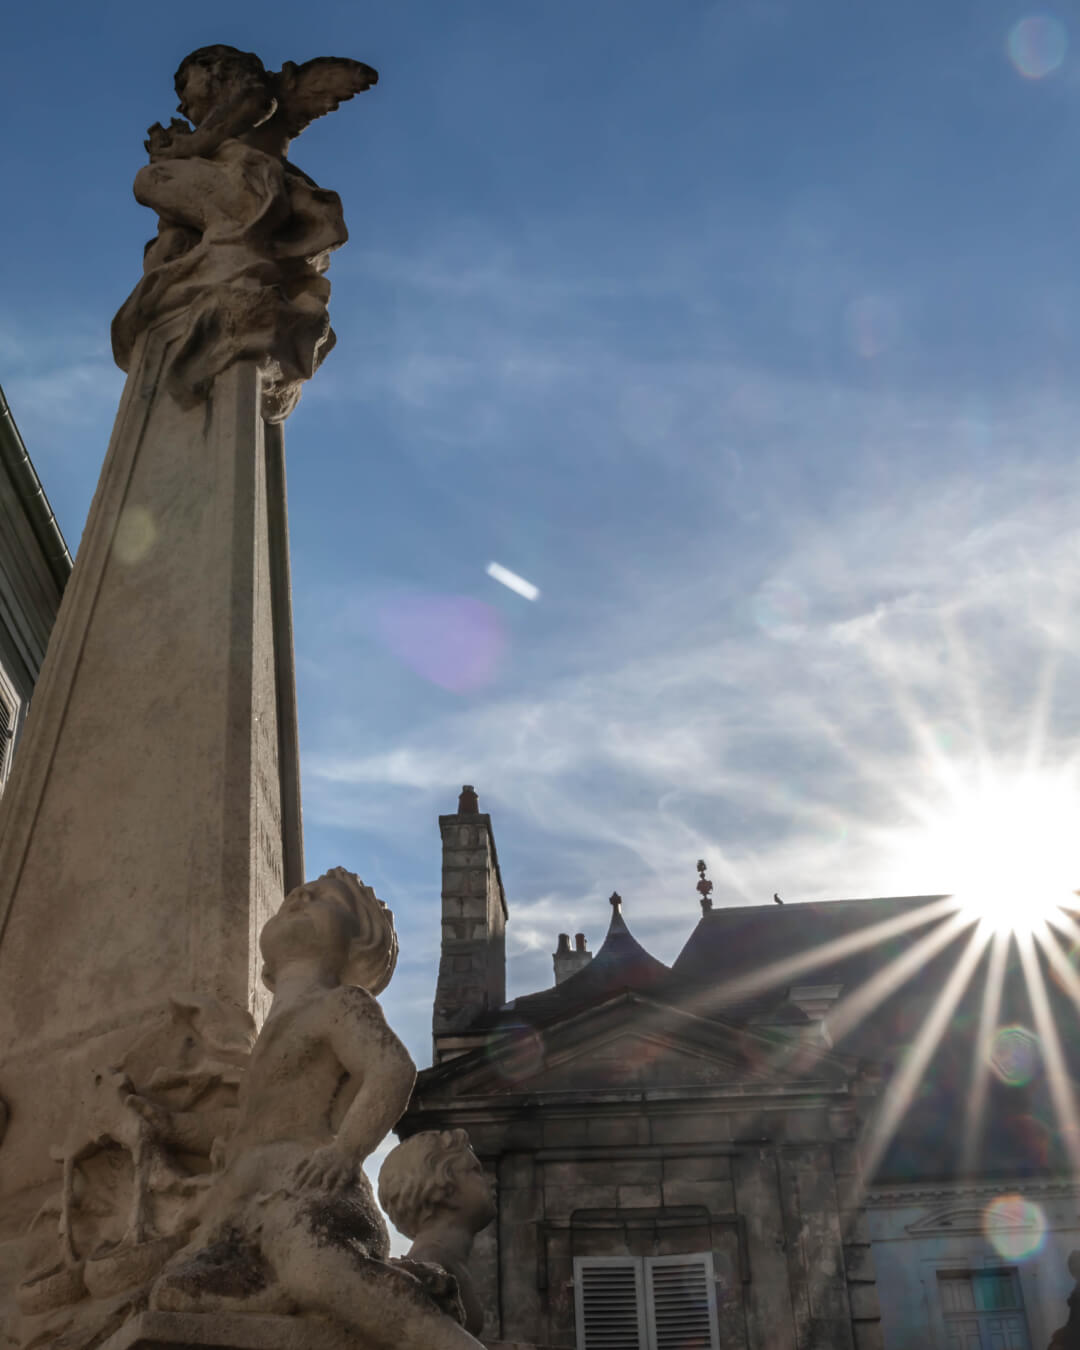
x,y
692,1155
34,568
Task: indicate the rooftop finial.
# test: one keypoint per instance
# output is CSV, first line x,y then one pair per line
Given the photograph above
x,y
616,902
468,803
704,887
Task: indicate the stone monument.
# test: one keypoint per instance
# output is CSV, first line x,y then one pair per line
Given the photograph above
x,y
222,1201
160,1163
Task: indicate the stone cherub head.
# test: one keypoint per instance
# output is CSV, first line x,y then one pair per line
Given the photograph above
x,y
336,925
229,94
435,1190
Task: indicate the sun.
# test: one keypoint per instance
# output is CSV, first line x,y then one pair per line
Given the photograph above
x,y
1007,847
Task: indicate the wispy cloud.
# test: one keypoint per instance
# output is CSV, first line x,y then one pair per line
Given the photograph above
x,y
783,749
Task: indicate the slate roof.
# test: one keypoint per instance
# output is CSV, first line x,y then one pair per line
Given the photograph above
x,y
621,964
740,963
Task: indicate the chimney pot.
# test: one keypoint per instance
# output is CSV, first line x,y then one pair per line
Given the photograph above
x,y
468,802
569,960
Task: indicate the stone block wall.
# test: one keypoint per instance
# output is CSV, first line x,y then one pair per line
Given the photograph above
x,y
779,1214
472,965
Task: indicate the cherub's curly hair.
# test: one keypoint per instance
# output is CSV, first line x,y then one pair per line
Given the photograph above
x,y
373,944
245,62
417,1178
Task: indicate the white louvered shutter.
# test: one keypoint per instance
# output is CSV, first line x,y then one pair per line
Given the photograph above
x,y
681,1303
609,1303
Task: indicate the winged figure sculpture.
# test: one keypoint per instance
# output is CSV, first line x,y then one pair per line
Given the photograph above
x,y
244,236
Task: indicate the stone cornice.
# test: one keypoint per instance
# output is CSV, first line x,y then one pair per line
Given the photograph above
x,y
895,1197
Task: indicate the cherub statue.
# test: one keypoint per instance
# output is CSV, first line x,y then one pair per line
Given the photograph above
x,y
290,1224
435,1190
244,236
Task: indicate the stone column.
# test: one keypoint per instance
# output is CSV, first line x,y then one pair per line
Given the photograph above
x,y
141,838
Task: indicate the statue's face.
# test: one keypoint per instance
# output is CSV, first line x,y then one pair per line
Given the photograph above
x,y
197,89
314,920
475,1191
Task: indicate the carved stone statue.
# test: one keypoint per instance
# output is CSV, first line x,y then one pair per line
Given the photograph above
x,y
435,1190
135,1165
207,1176
244,236
290,1225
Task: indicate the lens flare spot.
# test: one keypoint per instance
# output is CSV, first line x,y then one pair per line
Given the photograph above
x,y
1037,45
779,609
1014,1226
135,535
453,641
1015,1055
517,1053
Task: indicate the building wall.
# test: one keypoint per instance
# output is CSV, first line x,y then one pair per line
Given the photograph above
x,y
34,567
919,1232
760,1175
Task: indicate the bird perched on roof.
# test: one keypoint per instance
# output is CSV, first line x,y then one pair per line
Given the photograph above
x,y
777,898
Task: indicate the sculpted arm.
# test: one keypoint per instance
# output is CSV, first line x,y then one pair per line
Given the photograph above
x,y
370,1052
368,1049
247,107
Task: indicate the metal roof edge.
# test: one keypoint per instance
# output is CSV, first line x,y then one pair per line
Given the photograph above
x,y
31,494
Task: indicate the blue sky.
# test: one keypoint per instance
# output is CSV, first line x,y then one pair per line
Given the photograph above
x,y
746,331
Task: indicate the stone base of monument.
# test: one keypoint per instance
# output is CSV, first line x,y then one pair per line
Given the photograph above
x,y
233,1331
230,1331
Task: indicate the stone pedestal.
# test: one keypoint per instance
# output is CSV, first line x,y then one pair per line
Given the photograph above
x,y
142,837
190,1331
185,1331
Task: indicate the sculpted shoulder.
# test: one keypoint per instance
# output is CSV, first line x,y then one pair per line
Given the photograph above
x,y
353,1012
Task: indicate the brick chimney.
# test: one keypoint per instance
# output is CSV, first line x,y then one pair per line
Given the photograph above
x,y
472,967
569,960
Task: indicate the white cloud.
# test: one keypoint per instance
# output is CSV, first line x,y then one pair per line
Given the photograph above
x,y
781,760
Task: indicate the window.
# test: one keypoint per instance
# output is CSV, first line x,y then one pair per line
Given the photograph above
x,y
983,1310
645,1303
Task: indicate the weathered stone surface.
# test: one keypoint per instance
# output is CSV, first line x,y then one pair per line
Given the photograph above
x,y
768,1312
714,1167
244,238
229,1331
141,835
516,1345
559,1202
135,1162
865,1305
869,1336
859,1263
472,968
718,1196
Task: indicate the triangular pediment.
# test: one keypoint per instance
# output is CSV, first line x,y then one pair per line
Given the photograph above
x,y
1005,1214
633,1043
